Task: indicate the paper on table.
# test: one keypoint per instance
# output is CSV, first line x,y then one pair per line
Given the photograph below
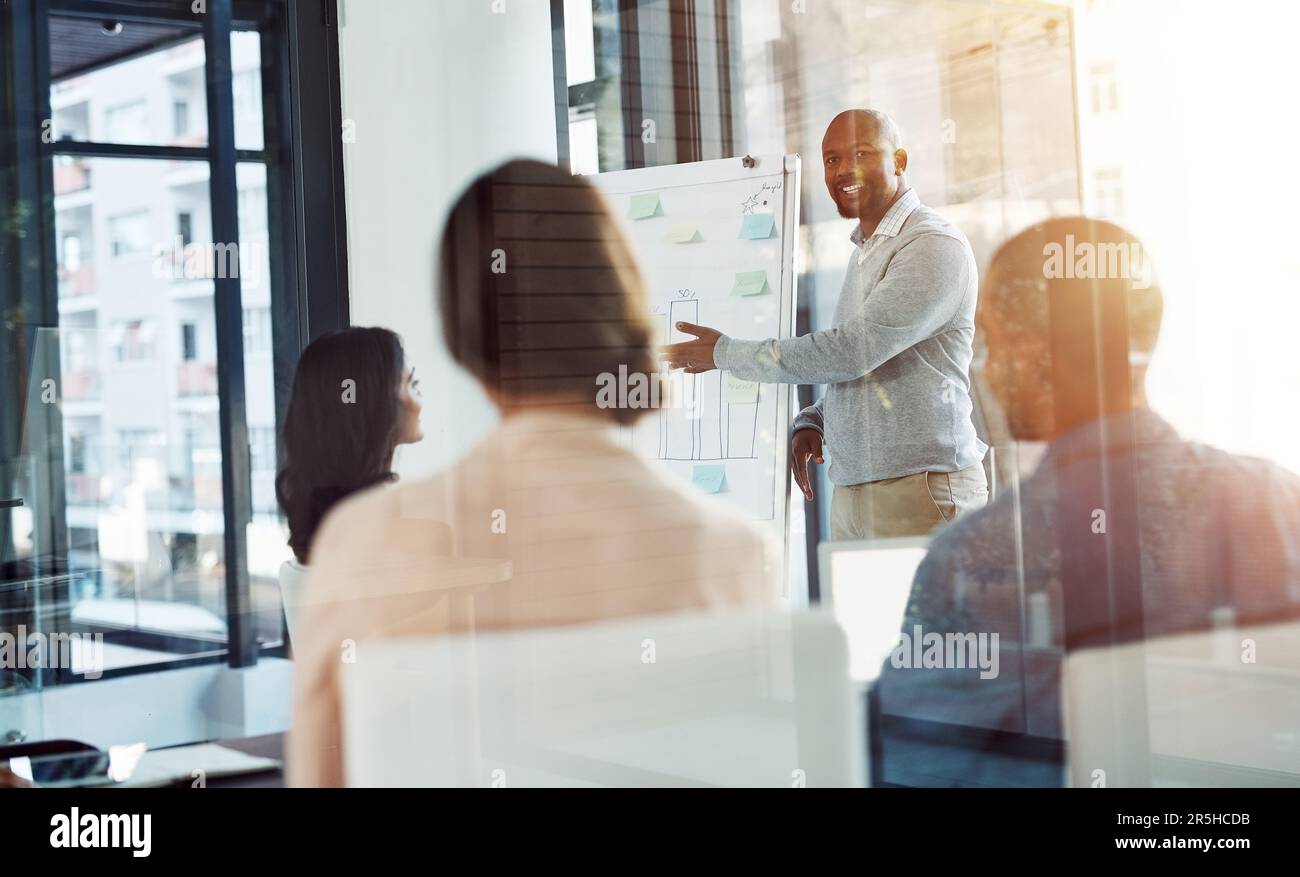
x,y
683,233
740,392
644,206
757,227
750,283
162,766
710,477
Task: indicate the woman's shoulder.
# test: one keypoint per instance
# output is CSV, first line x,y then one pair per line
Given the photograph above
x,y
368,510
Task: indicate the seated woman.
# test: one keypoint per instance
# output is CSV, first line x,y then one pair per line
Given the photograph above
x,y
539,297
353,402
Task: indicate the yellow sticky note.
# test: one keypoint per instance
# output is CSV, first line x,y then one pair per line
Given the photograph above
x,y
739,392
683,233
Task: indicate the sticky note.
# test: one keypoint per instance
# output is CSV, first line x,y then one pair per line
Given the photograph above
x,y
683,233
757,227
740,392
644,206
750,283
709,478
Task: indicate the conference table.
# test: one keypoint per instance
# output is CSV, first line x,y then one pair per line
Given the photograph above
x,y
265,746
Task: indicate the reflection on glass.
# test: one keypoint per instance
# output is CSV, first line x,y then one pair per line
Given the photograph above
x,y
246,83
158,98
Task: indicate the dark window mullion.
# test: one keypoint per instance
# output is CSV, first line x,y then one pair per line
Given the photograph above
x,y
560,75
89,149
227,300
44,428
93,149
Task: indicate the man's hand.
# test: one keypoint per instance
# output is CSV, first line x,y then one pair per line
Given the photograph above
x,y
806,445
694,356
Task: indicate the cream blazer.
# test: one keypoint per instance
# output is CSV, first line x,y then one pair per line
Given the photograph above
x,y
553,521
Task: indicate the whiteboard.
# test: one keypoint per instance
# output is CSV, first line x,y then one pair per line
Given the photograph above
x,y
716,426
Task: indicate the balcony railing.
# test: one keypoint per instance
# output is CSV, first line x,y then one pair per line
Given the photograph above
x,y
81,386
71,176
196,379
82,489
78,282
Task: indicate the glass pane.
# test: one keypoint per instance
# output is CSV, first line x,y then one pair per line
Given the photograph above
x,y
246,83
579,48
137,390
21,715
155,95
267,534
584,147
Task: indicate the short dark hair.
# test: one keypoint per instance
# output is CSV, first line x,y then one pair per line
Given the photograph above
x,y
1017,290
341,426
539,291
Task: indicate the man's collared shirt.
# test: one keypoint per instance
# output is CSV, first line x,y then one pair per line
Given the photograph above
x,y
890,225
896,357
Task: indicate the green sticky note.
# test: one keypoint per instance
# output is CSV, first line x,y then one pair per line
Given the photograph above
x,y
757,227
750,283
644,206
740,392
683,233
709,478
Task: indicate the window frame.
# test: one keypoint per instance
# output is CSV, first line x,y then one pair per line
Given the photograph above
x,y
307,240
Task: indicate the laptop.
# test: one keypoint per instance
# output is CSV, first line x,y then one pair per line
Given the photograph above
x,y
867,584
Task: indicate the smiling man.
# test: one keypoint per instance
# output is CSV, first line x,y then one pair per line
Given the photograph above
x,y
896,415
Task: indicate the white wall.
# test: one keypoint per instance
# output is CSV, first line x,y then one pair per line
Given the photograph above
x,y
436,91
209,702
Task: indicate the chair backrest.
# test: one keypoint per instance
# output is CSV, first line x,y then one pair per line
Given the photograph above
x,y
742,698
291,578
1210,708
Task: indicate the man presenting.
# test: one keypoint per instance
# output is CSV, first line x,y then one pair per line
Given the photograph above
x,y
897,410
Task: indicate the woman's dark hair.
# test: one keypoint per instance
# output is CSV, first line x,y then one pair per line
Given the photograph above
x,y
341,426
539,292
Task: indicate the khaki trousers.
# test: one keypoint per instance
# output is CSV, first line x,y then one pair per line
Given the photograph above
x,y
912,505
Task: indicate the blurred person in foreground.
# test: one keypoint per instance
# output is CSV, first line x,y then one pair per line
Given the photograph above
x,y
1124,532
539,297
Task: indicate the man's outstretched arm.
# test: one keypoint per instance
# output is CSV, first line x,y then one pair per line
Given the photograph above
x,y
924,286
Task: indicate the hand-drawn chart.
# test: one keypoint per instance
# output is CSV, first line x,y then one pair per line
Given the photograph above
x,y
715,241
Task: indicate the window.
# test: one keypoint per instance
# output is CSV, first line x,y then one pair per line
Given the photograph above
x,y
139,516
189,342
180,118
77,453
128,234
135,446
185,227
128,123
1105,89
247,84
257,331
72,252
248,97
132,340
252,212
1108,193
261,442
